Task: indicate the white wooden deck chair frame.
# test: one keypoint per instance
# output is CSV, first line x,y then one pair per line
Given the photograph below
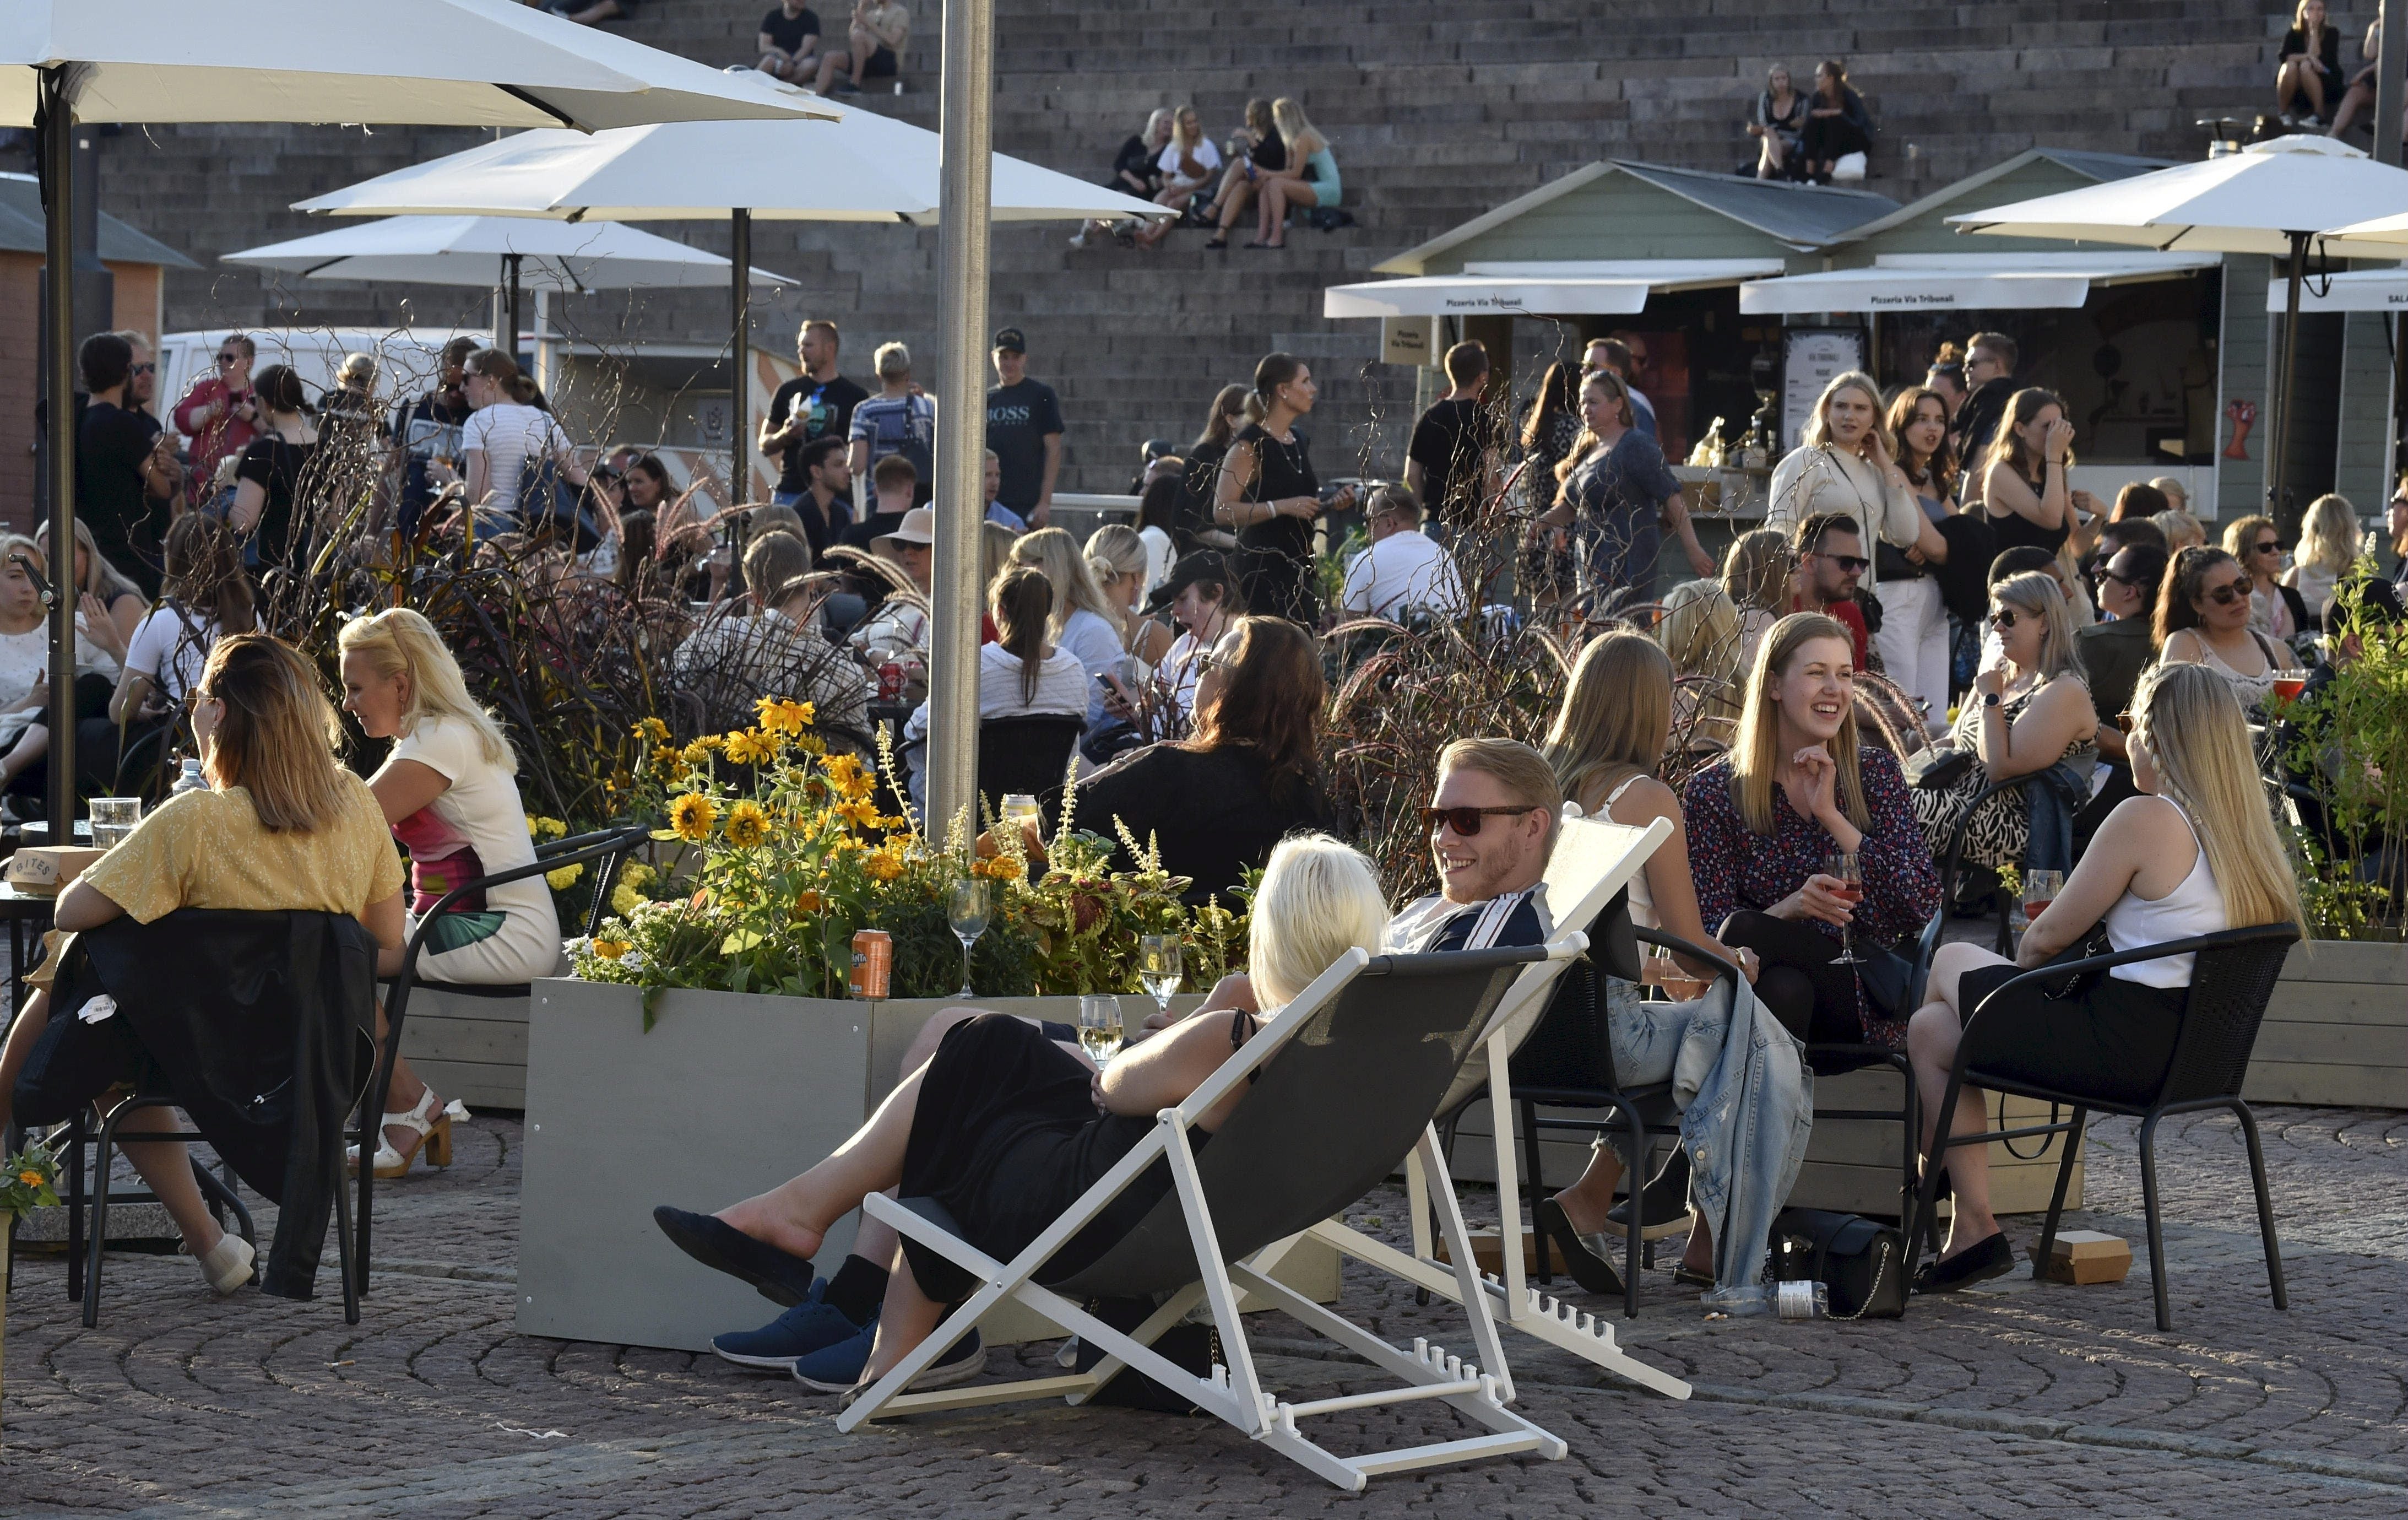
x,y
1592,860
1480,1388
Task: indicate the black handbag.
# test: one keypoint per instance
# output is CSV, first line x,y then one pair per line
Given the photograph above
x,y
1938,768
1860,1262
1888,980
1191,1348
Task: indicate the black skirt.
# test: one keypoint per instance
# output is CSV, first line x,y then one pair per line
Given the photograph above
x,y
2113,1040
1007,1136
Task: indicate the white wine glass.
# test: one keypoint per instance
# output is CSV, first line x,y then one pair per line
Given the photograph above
x,y
1842,866
1099,1027
968,908
1159,967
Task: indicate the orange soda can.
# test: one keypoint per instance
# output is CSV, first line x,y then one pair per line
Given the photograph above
x,y
873,964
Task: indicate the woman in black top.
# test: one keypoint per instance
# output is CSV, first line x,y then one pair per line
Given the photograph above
x,y
1232,408
1837,123
2309,63
1136,170
1246,776
1269,494
1549,569
2024,490
269,479
1779,123
1258,150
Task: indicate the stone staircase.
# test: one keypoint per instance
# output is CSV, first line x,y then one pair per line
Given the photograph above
x,y
1437,113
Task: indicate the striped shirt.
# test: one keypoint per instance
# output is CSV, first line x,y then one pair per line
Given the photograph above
x,y
1434,924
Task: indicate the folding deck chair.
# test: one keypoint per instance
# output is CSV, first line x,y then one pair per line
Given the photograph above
x,y
1593,859
1350,1075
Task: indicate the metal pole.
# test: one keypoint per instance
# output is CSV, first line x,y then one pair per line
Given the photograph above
x,y
510,310
964,201
2390,82
57,151
2279,436
740,391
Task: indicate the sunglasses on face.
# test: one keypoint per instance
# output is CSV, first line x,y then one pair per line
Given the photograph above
x,y
2121,580
146,369
2228,592
1849,564
2002,618
1467,821
2268,547
228,358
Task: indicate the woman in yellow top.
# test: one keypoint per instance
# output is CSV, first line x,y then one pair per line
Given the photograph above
x,y
284,828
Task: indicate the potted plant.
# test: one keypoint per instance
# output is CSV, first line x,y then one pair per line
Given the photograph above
x,y
30,1182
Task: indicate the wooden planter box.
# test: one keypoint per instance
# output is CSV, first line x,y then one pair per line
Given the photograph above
x,y
2336,1033
727,1096
1851,1165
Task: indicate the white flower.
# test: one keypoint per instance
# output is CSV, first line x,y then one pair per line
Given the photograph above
x,y
633,960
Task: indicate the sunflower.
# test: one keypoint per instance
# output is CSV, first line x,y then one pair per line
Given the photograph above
x,y
692,816
697,755
859,814
747,826
652,731
781,716
611,950
845,773
749,747
882,865
565,878
808,901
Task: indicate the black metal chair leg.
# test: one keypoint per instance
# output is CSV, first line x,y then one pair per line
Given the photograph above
x,y
2157,1231
2265,1204
1637,1173
2057,1200
1927,1191
223,1201
352,1283
99,1240
75,1201
1532,1186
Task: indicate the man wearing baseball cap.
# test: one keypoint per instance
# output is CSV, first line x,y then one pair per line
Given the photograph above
x,y
1202,597
1023,427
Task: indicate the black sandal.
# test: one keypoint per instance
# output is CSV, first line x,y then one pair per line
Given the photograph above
x,y
1216,242
1589,1268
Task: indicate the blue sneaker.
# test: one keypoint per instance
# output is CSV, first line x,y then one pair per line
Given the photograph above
x,y
838,1369
807,1328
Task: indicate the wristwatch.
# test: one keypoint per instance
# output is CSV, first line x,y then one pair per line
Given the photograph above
x,y
1990,700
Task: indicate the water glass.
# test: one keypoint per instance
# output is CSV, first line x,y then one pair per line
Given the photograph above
x,y
1158,966
1099,1026
968,907
113,819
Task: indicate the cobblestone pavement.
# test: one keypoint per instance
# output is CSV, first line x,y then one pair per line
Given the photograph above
x,y
2017,1399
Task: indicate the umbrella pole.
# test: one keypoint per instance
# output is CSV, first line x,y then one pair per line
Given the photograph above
x,y
2279,444
740,254
56,151
510,310
964,201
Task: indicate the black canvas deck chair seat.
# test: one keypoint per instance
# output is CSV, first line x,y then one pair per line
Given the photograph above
x,y
1593,861
1351,1074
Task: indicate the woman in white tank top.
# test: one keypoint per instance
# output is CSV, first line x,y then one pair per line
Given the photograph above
x,y
2195,853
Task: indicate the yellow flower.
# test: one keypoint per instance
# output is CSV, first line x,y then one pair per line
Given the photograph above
x,y
859,814
846,774
692,816
611,950
808,901
697,753
625,901
30,1178
652,730
882,865
635,873
781,716
565,878
747,826
749,749
545,828
809,745
1001,868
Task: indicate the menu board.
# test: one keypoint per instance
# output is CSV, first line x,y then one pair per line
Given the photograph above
x,y
1811,358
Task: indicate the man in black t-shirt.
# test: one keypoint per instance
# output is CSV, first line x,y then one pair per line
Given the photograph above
x,y
1023,427
817,403
1452,462
790,43
125,468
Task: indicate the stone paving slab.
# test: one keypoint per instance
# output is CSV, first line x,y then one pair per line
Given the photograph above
x,y
2017,1398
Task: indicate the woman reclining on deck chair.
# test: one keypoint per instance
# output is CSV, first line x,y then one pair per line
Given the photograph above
x,y
1007,1129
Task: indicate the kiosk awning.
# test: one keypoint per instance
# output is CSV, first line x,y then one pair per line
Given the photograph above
x,y
2358,290
1964,281
1548,288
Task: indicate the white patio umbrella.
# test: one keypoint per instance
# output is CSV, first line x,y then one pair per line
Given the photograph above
x,y
2276,197
863,168
447,63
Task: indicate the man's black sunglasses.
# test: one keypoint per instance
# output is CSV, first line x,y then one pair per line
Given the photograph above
x,y
1467,820
1855,564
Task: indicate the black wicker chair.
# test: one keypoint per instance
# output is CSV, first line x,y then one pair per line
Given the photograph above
x,y
2231,980
1028,755
602,849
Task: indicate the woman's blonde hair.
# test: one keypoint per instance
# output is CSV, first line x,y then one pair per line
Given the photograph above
x,y
1115,551
2238,534
1588,442
994,552
1700,631
1757,570
2198,741
100,577
1755,755
278,736
17,543
2037,593
1160,119
1818,425
1297,130
2328,535
2181,530
1616,716
1319,899
1179,118
401,641
1055,552
358,370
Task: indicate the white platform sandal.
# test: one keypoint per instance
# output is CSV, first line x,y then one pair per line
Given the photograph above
x,y
431,1131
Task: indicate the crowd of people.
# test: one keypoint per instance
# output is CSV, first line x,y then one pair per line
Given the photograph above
x,y
1275,164
1816,137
